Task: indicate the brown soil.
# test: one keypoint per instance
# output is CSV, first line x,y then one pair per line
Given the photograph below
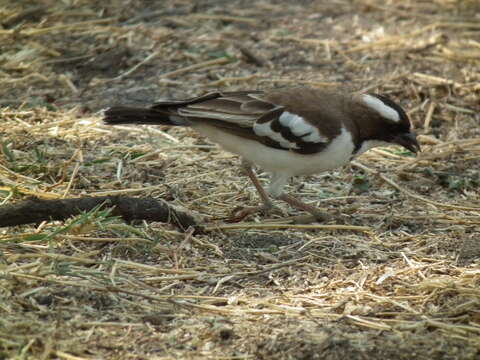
x,y
398,280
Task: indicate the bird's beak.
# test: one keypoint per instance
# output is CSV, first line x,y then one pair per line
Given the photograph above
x,y
408,141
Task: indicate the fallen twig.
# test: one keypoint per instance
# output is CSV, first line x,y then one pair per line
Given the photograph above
x,y
35,210
286,226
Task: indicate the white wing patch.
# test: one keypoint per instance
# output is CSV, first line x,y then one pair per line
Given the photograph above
x,y
380,107
315,137
265,129
297,126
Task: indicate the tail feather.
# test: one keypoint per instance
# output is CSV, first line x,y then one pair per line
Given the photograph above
x,y
130,115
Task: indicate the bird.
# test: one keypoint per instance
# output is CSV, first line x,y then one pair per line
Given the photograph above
x,y
287,132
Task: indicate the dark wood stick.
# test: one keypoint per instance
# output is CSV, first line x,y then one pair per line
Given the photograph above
x,y
35,210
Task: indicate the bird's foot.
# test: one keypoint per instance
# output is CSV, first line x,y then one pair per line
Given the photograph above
x,y
240,213
315,213
320,215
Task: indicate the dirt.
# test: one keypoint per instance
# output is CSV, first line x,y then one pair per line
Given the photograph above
x,y
400,283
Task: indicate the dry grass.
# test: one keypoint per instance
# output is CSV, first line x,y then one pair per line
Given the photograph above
x,y
399,280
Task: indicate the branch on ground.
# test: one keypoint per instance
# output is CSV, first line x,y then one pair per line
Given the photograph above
x,y
36,210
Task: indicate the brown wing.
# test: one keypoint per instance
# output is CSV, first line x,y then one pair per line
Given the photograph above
x,y
253,115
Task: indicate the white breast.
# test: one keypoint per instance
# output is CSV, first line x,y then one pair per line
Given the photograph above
x,y
334,155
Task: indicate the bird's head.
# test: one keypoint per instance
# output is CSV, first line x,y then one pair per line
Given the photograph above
x,y
384,122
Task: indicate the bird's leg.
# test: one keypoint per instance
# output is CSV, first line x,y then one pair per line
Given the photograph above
x,y
318,214
276,190
267,205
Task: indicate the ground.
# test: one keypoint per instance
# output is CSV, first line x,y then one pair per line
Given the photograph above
x,y
397,279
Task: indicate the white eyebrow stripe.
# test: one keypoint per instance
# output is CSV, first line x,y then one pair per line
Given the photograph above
x,y
379,106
